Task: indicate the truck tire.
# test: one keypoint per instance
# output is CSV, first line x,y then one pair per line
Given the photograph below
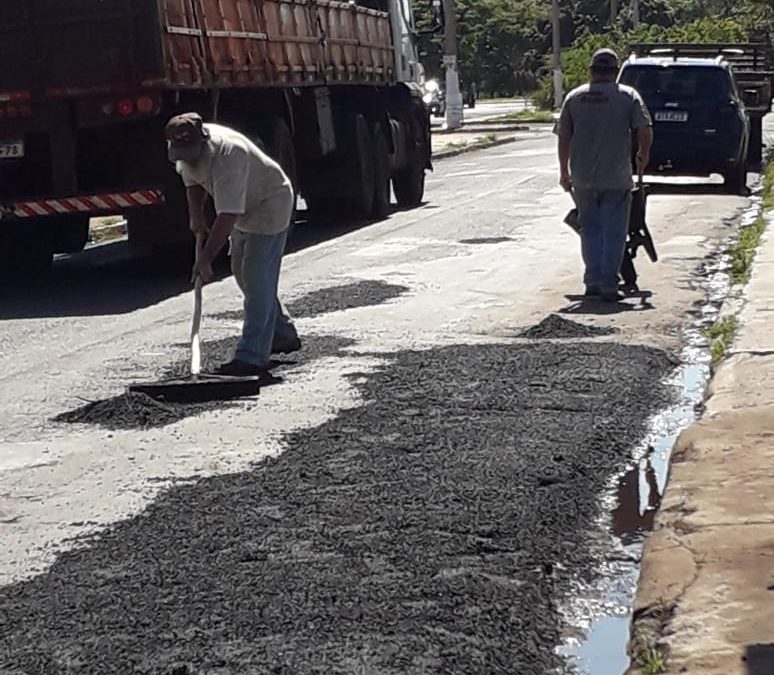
x,y
409,182
68,234
361,168
735,181
381,205
755,147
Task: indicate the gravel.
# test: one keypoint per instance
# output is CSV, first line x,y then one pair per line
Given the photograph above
x,y
555,326
334,299
433,529
127,411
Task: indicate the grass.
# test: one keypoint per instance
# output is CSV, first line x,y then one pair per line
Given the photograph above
x,y
106,228
652,662
721,335
480,141
525,116
742,251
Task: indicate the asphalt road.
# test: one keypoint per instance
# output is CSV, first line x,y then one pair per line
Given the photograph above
x,y
420,494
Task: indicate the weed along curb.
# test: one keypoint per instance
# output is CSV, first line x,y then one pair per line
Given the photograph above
x,y
482,145
704,598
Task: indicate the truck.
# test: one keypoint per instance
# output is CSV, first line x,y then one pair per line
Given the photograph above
x,y
332,90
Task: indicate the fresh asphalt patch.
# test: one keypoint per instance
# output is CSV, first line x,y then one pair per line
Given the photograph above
x,y
138,411
557,327
436,528
334,299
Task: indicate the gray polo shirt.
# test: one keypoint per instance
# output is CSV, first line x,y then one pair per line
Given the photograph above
x,y
599,119
243,181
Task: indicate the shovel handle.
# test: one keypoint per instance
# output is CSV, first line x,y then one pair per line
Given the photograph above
x,y
196,352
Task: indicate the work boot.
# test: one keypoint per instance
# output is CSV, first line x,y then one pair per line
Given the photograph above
x,y
285,345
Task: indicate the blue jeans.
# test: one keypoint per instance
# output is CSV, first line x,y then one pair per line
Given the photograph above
x,y
603,216
256,260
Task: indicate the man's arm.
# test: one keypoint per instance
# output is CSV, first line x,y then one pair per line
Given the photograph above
x,y
644,142
196,196
564,162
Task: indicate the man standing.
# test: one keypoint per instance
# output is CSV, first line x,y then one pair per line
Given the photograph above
x,y
595,129
253,201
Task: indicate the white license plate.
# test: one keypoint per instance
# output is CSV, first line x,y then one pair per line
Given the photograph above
x,y
11,149
671,116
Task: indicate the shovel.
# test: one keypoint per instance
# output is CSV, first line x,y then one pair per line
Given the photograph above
x,y
199,388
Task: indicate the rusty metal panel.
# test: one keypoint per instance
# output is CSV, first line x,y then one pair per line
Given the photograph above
x,y
183,44
243,43
294,42
235,40
357,42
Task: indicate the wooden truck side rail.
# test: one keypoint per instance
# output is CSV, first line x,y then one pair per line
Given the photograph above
x,y
254,43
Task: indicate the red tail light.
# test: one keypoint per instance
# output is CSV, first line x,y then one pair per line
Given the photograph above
x,y
125,107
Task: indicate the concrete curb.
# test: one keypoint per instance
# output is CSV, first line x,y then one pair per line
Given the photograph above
x,y
444,154
704,598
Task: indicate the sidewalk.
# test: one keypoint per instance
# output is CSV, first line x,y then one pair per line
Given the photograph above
x,y
706,592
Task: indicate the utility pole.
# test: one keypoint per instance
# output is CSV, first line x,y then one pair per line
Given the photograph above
x,y
454,114
613,12
635,13
557,56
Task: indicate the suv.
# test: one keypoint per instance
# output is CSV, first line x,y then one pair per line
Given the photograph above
x,y
699,121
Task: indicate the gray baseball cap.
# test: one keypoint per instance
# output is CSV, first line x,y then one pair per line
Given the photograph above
x,y
605,59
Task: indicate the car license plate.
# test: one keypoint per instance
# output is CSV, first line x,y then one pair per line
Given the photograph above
x,y
671,116
11,149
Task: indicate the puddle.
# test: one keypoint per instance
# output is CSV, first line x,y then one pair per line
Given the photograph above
x,y
604,615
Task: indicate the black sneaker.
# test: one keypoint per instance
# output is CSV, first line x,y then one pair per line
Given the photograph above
x,y
286,345
611,296
237,368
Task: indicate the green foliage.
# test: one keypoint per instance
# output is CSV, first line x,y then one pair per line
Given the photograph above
x,y
742,251
652,662
721,335
504,45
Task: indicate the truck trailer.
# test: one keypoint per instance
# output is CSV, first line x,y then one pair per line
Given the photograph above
x,y
332,90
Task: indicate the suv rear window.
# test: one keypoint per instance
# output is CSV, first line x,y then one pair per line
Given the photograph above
x,y
677,83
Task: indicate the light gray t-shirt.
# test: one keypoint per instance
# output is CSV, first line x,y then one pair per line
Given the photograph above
x,y
599,119
242,180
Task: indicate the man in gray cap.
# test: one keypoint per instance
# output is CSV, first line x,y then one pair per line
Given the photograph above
x,y
595,129
253,201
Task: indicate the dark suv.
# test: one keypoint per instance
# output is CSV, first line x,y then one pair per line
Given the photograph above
x,y
699,121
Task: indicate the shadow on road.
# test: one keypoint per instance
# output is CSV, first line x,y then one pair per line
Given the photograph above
x,y
111,279
580,304
687,189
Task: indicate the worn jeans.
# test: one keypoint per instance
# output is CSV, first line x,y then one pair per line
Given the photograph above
x,y
603,216
256,260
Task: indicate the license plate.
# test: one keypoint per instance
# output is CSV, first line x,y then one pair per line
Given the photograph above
x,y
11,149
671,116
